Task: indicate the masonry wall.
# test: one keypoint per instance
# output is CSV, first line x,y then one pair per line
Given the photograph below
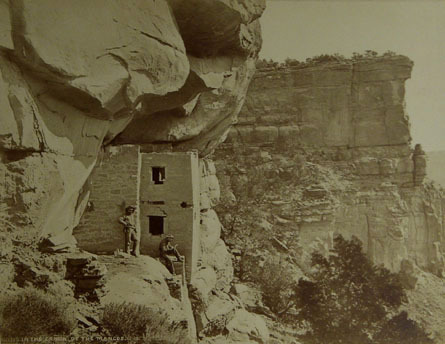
x,y
196,245
113,186
177,200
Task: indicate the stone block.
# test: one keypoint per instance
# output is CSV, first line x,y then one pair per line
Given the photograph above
x,y
244,325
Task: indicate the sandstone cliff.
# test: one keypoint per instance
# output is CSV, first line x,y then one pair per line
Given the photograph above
x,y
319,150
78,76
325,149
336,134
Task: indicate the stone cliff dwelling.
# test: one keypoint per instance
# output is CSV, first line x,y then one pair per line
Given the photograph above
x,y
165,189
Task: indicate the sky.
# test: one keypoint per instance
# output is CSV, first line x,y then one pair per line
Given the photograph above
x,y
416,28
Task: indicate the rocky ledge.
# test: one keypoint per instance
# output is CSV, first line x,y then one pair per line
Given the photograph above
x,y
337,138
78,76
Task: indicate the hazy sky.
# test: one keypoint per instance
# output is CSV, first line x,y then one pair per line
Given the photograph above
x,y
301,29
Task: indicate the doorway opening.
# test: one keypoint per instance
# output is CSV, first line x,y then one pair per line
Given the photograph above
x,y
156,225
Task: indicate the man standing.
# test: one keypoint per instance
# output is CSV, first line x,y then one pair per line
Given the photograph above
x,y
168,253
130,231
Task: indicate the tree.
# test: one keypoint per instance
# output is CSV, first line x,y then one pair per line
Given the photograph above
x,y
261,63
371,53
400,329
389,53
348,299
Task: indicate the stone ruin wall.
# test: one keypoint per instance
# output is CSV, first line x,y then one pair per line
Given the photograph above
x,y
349,118
141,72
112,186
133,72
78,76
122,177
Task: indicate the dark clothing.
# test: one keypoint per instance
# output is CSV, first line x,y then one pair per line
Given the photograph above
x,y
130,232
168,254
131,241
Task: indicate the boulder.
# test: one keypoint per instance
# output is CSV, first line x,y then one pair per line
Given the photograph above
x,y
59,242
204,281
250,297
81,75
141,281
209,185
210,231
246,327
108,48
219,26
220,260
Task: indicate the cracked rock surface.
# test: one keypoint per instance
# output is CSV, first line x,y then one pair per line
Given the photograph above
x,y
332,145
77,75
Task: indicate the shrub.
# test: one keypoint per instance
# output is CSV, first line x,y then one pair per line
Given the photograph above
x,y
292,62
138,321
324,58
125,319
275,282
400,329
348,299
389,53
162,331
35,313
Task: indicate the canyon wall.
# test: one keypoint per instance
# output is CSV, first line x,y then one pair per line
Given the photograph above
x,y
323,149
77,76
337,137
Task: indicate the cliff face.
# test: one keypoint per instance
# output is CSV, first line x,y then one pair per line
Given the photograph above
x,y
77,76
337,137
350,105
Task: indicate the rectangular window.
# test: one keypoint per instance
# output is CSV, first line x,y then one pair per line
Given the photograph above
x,y
156,225
158,175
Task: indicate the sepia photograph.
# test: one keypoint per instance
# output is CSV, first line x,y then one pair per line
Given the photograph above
x,y
222,171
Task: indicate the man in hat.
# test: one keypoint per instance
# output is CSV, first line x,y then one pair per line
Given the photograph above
x,y
130,231
168,253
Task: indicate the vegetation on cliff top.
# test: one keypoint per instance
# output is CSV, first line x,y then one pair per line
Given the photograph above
x,y
263,64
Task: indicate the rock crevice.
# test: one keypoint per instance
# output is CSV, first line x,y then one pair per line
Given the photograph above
x,y
346,120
